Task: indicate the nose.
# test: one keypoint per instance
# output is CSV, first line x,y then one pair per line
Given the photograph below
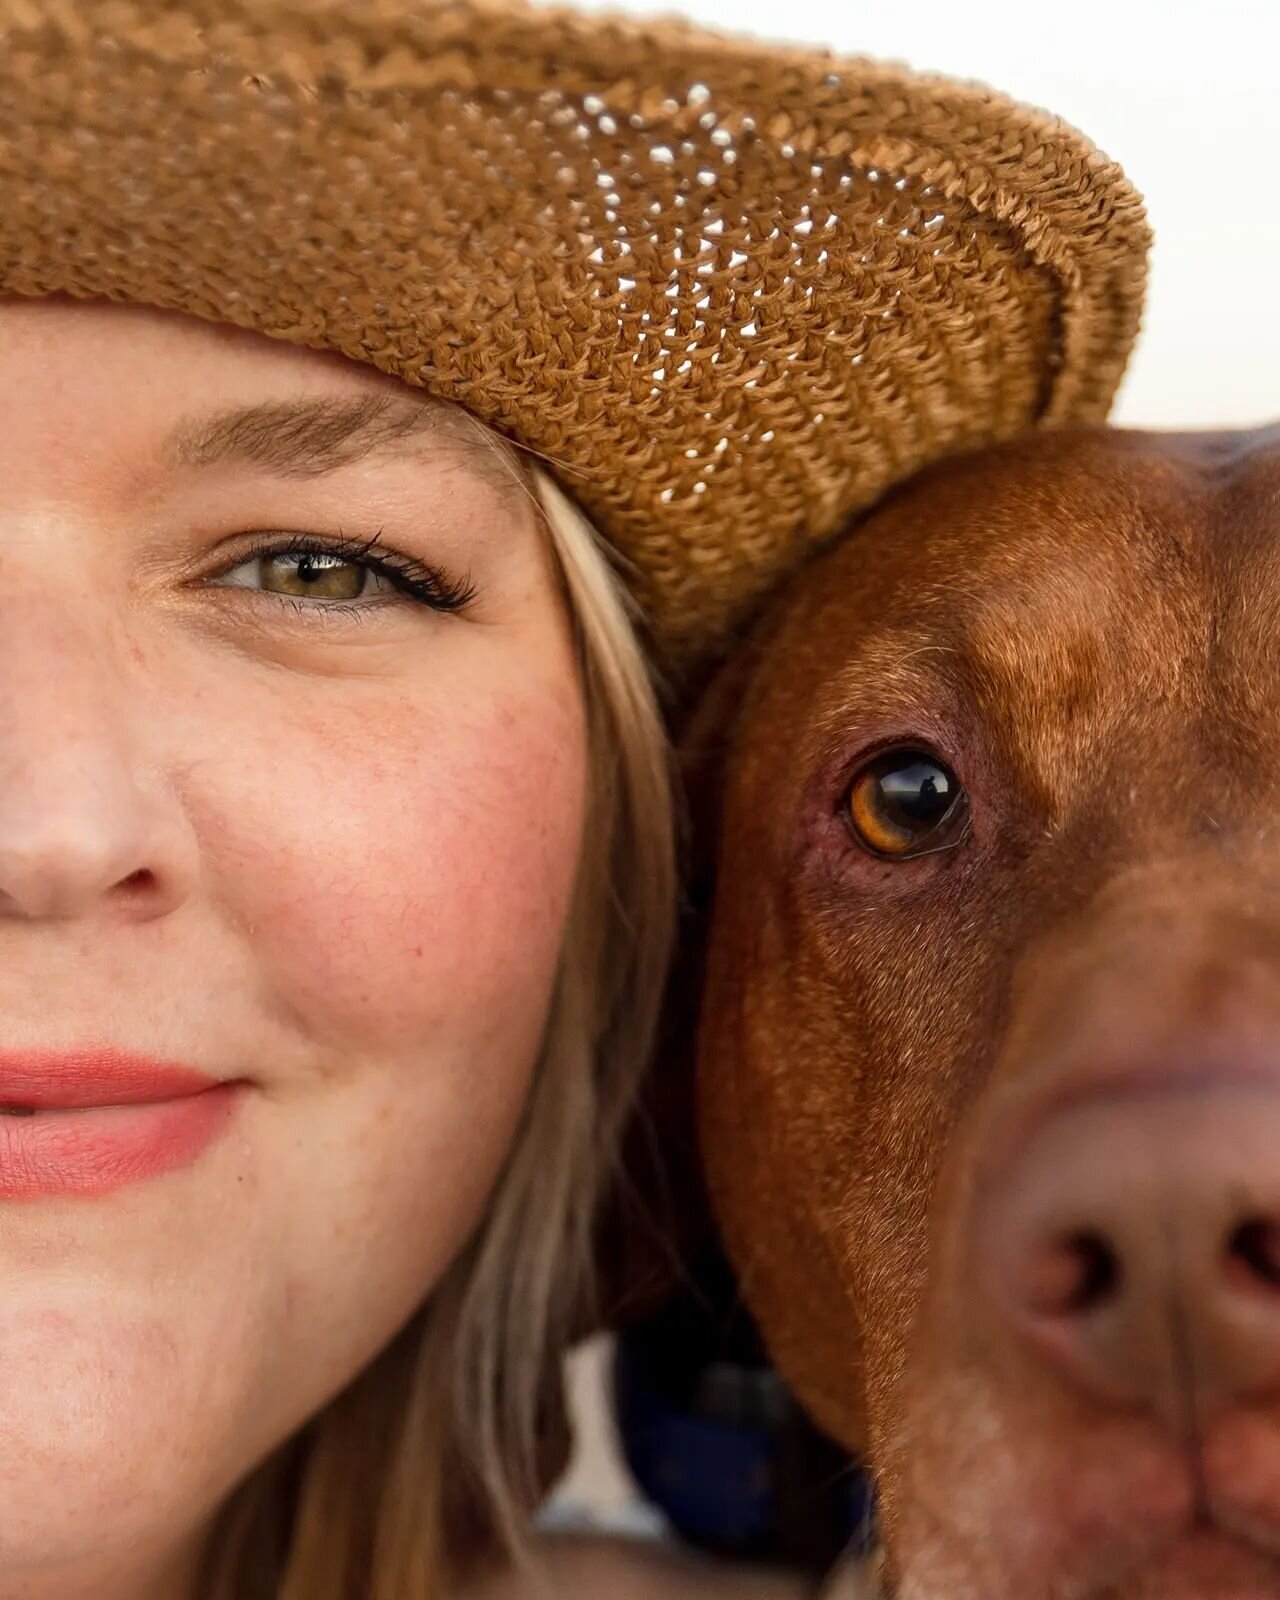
x,y
1132,1245
85,814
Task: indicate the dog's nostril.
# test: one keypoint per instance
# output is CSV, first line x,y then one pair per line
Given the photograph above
x,y
1075,1274
1131,1247
1254,1247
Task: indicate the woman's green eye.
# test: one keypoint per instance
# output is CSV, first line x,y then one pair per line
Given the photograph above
x,y
904,803
324,577
335,573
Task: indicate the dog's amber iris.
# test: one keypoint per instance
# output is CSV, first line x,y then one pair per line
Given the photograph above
x,y
904,803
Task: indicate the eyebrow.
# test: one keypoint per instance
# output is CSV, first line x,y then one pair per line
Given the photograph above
x,y
310,438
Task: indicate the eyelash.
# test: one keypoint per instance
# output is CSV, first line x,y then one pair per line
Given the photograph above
x,y
426,586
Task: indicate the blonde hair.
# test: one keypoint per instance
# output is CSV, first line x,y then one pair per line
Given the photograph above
x,y
431,1454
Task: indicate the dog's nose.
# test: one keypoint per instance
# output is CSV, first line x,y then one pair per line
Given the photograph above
x,y
1133,1244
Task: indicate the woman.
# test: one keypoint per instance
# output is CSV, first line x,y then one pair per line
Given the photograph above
x,y
335,826
374,854
383,854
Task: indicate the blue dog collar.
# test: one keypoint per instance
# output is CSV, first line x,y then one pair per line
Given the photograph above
x,y
735,1466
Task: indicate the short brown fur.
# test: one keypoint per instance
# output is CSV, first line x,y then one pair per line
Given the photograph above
x,y
1084,625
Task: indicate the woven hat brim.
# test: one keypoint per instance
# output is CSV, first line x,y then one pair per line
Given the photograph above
x,y
730,291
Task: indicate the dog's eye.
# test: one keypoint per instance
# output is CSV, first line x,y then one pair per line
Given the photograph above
x,y
905,803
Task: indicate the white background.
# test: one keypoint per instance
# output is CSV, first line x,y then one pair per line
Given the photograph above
x,y
1185,95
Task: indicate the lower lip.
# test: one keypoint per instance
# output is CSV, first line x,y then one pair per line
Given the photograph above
x,y
93,1150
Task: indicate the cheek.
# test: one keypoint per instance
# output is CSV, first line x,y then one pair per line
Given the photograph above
x,y
410,883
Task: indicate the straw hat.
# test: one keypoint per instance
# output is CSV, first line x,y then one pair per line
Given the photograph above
x,y
730,290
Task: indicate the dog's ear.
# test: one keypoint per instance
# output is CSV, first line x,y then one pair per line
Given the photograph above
x,y
657,1220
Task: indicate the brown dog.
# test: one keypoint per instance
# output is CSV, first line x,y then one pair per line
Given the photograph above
x,y
989,1062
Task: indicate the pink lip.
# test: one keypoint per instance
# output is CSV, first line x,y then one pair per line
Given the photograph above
x,y
103,1119
103,1077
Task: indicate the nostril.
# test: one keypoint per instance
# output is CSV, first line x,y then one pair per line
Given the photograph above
x,y
1254,1250
1128,1248
1073,1275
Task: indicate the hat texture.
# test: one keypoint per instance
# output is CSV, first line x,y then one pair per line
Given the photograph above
x,y
729,290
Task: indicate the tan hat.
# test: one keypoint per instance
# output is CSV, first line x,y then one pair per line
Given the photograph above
x,y
731,290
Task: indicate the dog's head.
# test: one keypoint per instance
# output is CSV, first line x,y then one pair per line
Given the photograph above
x,y
989,1053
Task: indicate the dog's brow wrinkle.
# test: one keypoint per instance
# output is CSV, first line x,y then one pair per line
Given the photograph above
x,y
963,591
924,650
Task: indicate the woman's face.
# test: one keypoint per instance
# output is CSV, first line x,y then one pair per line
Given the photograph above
x,y
276,819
